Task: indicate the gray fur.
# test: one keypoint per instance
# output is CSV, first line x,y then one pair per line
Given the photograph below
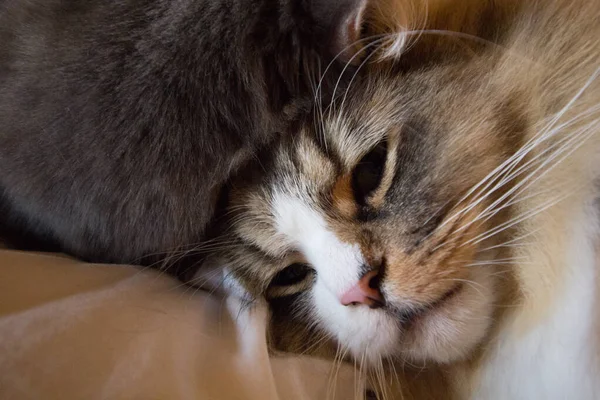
x,y
121,120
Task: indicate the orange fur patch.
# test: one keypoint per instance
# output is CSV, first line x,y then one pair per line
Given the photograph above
x,y
343,197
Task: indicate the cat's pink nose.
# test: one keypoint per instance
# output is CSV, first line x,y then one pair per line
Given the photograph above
x,y
366,291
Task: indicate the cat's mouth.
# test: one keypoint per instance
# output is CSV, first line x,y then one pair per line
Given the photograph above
x,y
410,316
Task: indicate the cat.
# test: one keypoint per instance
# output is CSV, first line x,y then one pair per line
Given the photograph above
x,y
122,120
439,218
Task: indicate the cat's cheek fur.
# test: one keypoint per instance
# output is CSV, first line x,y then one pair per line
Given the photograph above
x,y
451,331
367,334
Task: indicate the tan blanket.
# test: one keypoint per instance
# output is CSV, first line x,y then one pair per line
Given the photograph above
x,y
70,330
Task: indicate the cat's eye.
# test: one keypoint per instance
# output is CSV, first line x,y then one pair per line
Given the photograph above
x,y
290,281
292,275
368,173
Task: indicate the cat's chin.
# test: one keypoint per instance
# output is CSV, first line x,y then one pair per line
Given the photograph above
x,y
447,331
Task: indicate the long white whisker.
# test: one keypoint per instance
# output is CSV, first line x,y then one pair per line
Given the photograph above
x,y
524,184
374,43
507,225
513,242
521,153
341,108
561,144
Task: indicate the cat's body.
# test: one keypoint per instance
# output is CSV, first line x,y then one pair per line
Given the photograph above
x,y
121,120
446,208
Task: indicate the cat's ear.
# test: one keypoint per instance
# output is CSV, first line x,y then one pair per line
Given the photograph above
x,y
403,22
342,22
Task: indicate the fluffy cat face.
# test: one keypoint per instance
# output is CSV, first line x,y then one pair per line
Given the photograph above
x,y
370,227
386,227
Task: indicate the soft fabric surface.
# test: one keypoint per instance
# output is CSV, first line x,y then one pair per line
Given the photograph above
x,y
70,330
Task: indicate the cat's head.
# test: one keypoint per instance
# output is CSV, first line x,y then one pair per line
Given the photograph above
x,y
372,229
375,225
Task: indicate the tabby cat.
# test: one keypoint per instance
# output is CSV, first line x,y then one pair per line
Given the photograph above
x,y
439,218
121,120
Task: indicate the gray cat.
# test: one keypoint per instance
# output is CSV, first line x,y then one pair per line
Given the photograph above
x,y
121,120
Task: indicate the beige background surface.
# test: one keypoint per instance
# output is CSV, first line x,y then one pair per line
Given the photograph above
x,y
70,330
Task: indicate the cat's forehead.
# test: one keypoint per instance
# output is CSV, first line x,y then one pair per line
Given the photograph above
x,y
314,166
303,180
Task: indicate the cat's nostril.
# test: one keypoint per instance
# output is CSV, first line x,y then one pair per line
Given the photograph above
x,y
375,281
366,291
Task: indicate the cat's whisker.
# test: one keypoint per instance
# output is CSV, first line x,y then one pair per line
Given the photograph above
x,y
323,337
407,361
488,181
234,209
508,246
213,289
361,371
396,378
493,263
198,283
451,236
524,184
339,54
380,374
163,265
476,286
522,152
551,158
338,82
575,98
434,215
202,280
523,169
547,134
564,151
507,259
393,37
356,379
318,91
501,273
330,389
514,221
337,364
487,215
362,64
400,39
551,134
516,241
490,213
317,97
182,248
204,249
509,224
173,258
